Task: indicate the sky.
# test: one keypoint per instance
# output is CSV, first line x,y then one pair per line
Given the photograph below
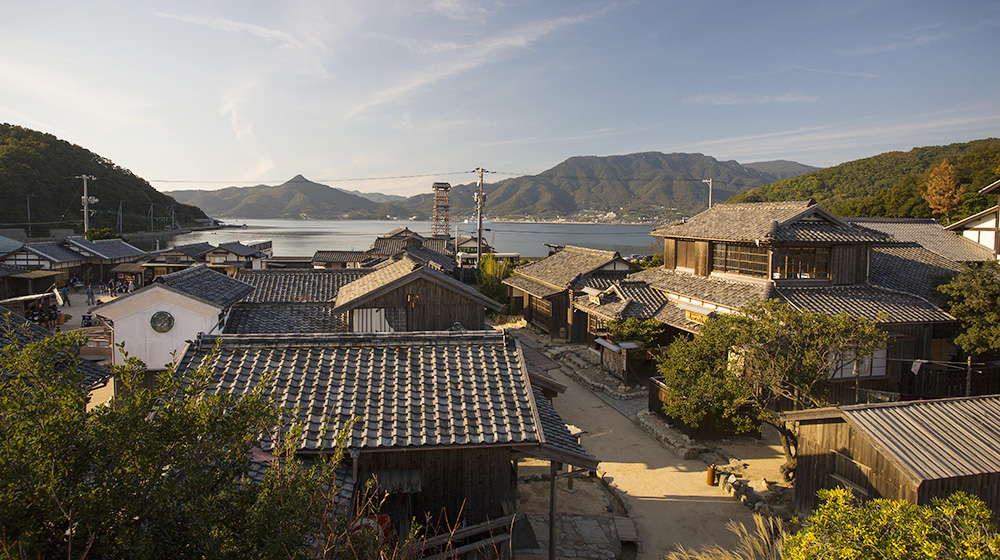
x,y
383,96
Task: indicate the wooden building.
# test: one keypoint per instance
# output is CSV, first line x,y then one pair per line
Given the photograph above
x,y
913,451
982,228
437,418
544,291
406,295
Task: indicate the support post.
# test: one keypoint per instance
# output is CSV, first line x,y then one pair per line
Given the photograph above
x,y
553,474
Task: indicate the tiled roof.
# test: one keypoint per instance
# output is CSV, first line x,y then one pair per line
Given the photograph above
x,y
398,273
403,231
560,444
26,332
795,221
533,287
936,439
296,285
8,245
108,249
290,318
870,302
240,249
601,279
194,249
388,246
987,214
206,284
562,268
437,244
910,268
406,390
338,256
10,270
730,293
54,252
637,300
433,258
930,235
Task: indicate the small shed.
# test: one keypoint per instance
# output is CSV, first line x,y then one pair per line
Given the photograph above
x,y
912,451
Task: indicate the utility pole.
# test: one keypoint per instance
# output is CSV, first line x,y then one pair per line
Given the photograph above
x,y
29,215
479,220
151,217
120,216
86,202
709,181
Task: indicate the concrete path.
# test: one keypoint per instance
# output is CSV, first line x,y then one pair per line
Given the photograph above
x,y
671,503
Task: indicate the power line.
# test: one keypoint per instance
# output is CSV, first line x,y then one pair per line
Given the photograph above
x,y
317,180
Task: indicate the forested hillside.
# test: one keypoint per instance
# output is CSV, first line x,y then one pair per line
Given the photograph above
x,y
889,185
647,185
45,168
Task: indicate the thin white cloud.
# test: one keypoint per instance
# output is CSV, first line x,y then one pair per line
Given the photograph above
x,y
899,45
748,99
468,58
236,27
792,68
243,130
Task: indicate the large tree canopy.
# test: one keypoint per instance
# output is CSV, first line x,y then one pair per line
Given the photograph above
x,y
973,297
157,473
743,365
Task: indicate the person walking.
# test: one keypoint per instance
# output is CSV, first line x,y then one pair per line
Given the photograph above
x,y
90,295
64,291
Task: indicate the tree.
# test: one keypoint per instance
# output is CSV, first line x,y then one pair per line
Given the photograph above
x,y
744,365
957,527
647,331
973,297
942,190
93,234
156,473
491,274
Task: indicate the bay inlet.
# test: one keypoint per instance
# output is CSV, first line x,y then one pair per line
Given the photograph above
x,y
305,237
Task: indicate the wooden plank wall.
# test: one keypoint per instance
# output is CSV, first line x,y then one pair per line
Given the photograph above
x,y
470,485
703,258
848,264
831,447
430,307
669,253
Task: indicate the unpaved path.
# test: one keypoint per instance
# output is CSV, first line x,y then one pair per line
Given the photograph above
x,y
670,501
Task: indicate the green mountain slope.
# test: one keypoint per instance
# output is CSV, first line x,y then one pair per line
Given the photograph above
x,y
648,185
296,198
888,185
45,167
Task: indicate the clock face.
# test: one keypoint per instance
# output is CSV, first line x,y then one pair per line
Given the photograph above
x,y
161,321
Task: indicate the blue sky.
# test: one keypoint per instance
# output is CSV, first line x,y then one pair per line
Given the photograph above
x,y
211,94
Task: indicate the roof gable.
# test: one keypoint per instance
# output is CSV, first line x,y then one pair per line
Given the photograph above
x,y
206,284
298,286
562,268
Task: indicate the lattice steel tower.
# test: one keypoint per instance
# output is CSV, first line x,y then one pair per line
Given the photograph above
x,y
441,209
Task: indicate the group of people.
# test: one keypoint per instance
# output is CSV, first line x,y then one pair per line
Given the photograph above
x,y
112,288
43,314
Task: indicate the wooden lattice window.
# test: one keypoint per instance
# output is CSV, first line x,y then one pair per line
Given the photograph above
x,y
595,324
802,262
748,260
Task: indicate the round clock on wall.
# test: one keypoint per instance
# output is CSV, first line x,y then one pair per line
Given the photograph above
x,y
162,321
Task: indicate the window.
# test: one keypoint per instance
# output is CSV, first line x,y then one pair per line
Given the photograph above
x,y
846,366
802,262
749,260
595,325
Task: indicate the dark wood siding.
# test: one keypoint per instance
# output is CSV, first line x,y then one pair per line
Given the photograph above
x,y
430,307
470,485
670,253
703,258
849,264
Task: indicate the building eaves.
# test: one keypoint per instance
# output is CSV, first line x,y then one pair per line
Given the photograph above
x,y
194,250
930,235
959,225
54,252
881,305
338,256
532,286
560,445
565,266
107,249
298,286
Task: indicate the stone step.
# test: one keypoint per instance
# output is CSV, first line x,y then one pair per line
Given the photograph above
x,y
626,530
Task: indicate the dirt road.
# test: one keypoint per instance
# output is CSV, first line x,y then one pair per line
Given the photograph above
x,y
670,501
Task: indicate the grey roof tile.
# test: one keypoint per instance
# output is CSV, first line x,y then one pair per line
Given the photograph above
x,y
240,249
193,249
406,390
54,252
108,249
794,221
338,256
559,442
871,302
910,268
10,270
531,286
563,267
298,286
930,235
730,293
291,318
206,284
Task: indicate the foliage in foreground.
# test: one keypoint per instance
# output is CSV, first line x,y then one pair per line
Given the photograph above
x,y
743,365
159,473
973,297
958,527
648,331
491,274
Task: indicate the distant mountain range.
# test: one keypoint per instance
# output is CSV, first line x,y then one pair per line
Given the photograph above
x,y
631,187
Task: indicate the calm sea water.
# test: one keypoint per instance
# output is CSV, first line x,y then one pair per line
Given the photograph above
x,y
305,237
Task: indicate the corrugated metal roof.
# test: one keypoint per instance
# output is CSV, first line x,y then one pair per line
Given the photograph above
x,y
935,439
